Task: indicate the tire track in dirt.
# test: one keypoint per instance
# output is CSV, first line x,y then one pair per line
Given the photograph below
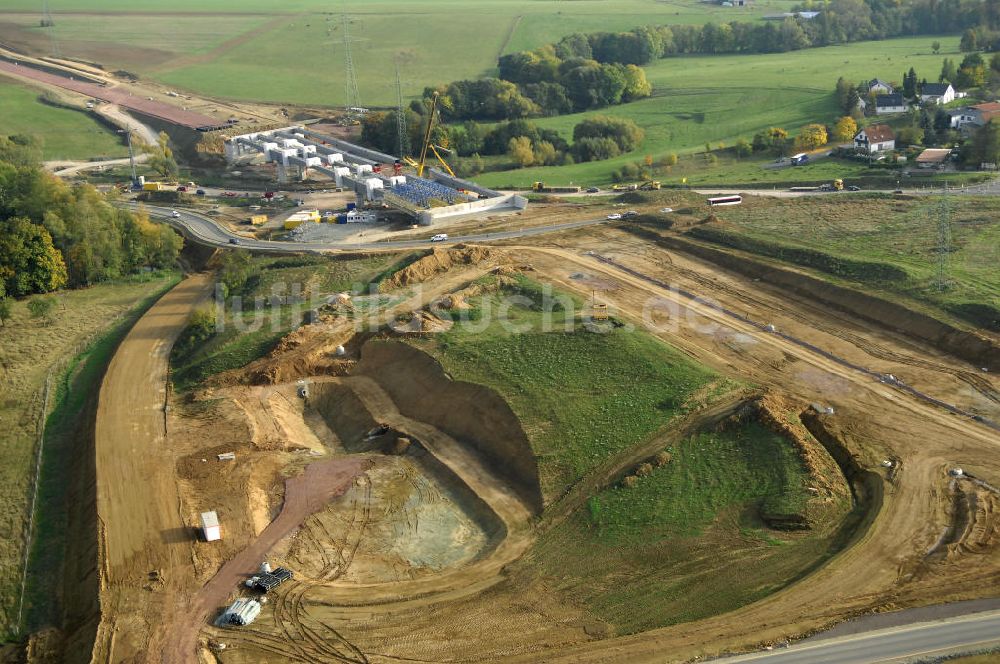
x,y
305,494
977,382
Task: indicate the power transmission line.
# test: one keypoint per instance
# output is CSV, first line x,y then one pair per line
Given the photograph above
x,y
402,135
50,26
353,97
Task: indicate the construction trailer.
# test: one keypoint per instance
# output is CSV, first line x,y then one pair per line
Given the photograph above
x,y
210,529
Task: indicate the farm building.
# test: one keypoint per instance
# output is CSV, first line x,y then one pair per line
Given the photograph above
x,y
875,138
933,158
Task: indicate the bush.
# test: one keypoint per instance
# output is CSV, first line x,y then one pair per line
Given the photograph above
x,y
625,133
595,149
41,307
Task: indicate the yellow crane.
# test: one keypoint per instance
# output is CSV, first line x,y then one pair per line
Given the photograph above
x,y
420,165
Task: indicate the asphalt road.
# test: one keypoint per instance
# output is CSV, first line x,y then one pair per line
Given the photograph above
x,y
913,642
204,230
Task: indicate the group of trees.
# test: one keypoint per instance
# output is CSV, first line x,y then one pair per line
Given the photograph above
x,y
596,138
53,235
527,144
537,83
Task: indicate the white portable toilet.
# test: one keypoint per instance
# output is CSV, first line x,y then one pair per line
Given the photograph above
x,y
210,526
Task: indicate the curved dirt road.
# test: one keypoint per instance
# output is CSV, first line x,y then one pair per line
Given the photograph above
x,y
143,537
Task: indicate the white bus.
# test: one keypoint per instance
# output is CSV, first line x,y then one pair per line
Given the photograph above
x,y
725,200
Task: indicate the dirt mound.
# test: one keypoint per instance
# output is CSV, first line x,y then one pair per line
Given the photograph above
x,y
419,322
438,262
827,482
311,350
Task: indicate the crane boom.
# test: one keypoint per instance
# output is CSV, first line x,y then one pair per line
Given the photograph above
x,y
427,136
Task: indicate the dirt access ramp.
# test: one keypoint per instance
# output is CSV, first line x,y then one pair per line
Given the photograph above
x,y
138,508
305,494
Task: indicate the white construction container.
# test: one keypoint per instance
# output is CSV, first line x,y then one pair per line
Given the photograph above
x,y
335,158
210,526
362,168
313,161
306,150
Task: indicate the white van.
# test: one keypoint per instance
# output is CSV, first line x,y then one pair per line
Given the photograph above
x,y
440,237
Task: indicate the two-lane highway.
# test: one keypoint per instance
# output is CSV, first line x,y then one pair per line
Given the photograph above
x,y
910,643
206,231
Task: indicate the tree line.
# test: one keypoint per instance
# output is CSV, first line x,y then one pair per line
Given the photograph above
x,y
595,138
54,235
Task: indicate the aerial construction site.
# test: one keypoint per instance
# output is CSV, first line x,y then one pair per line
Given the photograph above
x,y
318,386
445,464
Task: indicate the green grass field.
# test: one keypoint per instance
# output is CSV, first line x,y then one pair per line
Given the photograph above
x,y
67,134
28,349
581,396
718,99
293,52
687,541
900,233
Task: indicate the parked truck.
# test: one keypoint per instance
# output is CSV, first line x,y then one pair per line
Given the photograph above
x,y
540,188
152,186
625,187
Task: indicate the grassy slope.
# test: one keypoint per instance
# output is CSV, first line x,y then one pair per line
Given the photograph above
x,y
581,396
27,349
686,542
67,134
903,233
236,347
713,99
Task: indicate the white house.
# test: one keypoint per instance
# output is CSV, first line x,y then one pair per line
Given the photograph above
x,y
879,87
875,138
937,93
974,116
886,104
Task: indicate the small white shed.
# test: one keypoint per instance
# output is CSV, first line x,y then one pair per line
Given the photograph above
x,y
210,526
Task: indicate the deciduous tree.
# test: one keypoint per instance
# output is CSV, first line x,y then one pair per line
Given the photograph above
x,y
845,129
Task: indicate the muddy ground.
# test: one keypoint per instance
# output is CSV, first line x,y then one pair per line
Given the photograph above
x,y
375,582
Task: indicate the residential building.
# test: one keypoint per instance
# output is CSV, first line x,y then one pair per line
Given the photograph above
x,y
886,104
972,117
879,87
937,93
875,138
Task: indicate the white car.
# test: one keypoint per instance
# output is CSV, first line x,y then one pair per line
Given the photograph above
x,y
614,216
175,214
666,210
440,237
